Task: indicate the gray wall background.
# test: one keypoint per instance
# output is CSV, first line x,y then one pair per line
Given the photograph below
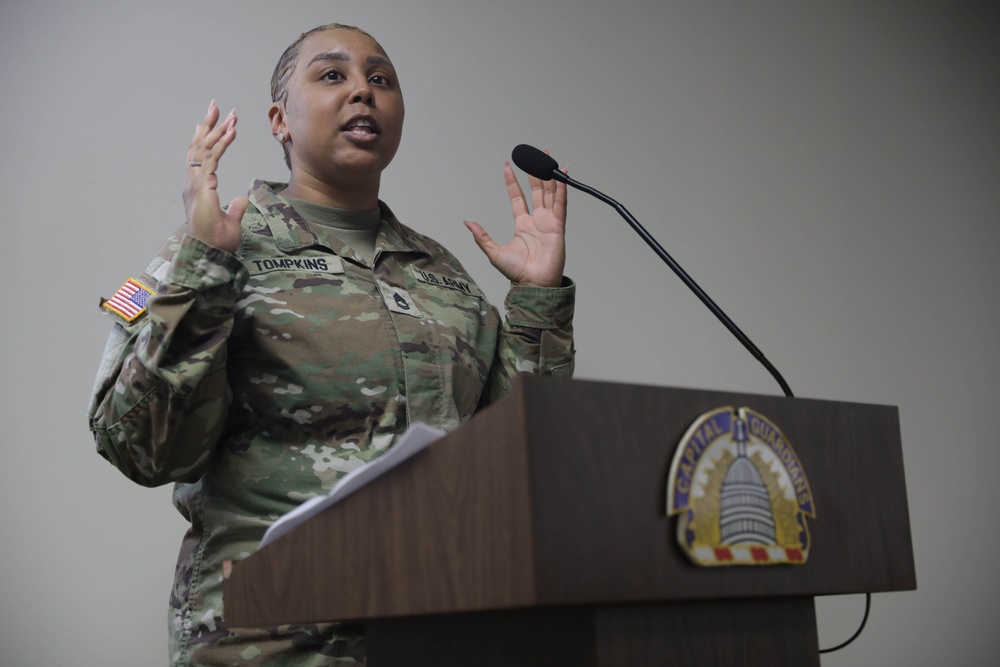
x,y
827,171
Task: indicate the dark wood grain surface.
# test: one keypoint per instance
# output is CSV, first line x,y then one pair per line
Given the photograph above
x,y
557,496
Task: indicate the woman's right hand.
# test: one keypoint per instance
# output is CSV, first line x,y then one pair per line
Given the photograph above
x,y
205,218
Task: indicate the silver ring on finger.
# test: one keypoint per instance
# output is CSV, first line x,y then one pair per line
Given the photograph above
x,y
192,163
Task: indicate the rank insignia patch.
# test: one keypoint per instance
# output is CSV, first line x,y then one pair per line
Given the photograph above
x,y
739,491
129,302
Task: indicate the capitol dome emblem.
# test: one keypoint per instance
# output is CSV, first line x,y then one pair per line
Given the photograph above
x,y
739,491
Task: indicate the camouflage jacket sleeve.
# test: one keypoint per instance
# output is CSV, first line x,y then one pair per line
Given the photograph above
x,y
536,336
161,396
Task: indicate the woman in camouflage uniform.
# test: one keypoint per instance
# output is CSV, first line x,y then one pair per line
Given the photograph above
x,y
289,337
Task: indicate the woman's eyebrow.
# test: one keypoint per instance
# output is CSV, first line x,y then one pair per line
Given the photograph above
x,y
343,57
331,55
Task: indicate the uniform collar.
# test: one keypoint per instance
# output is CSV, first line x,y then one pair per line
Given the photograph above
x,y
291,232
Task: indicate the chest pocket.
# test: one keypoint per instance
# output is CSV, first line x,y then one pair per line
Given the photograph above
x,y
461,328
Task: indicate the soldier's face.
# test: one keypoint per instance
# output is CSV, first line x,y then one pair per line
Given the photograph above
x,y
343,115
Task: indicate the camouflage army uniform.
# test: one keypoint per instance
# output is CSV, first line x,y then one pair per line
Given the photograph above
x,y
255,382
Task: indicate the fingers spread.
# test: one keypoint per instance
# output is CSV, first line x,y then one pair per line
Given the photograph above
x,y
217,141
203,128
480,236
518,203
559,198
211,138
537,192
549,190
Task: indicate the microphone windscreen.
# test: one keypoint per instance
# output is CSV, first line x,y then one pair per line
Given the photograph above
x,y
533,161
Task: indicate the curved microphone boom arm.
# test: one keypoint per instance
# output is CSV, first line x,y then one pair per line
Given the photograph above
x,y
540,165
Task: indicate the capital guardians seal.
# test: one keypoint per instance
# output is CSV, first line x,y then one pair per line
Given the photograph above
x,y
740,492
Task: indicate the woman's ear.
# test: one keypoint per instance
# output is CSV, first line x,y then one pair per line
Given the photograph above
x,y
276,114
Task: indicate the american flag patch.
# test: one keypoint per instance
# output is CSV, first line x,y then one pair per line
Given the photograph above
x,y
129,302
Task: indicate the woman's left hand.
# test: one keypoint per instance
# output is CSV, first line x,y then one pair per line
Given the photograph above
x,y
537,253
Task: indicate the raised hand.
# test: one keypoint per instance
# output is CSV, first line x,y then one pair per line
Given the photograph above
x,y
537,253
205,218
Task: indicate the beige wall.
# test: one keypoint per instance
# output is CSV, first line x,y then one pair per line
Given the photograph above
x,y
827,171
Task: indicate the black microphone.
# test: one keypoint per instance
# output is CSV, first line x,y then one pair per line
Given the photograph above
x,y
536,163
532,161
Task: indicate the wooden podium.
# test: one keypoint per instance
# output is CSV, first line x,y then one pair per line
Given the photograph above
x,y
537,534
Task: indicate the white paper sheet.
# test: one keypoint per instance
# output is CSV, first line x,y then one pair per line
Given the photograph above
x,y
414,440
